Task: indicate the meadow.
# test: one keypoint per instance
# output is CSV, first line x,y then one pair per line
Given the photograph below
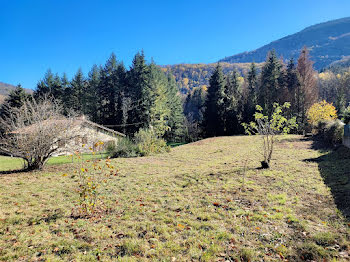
x,y
204,201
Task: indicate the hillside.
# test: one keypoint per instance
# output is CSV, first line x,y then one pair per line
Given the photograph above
x,y
189,76
195,203
328,42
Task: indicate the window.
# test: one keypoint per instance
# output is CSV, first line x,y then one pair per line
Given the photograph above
x,y
77,140
84,140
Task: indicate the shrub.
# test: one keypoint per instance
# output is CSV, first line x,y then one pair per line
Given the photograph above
x,y
334,132
124,148
346,116
321,111
148,143
330,131
268,127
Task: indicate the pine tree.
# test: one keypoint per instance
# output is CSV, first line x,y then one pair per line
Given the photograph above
x,y
158,106
214,110
78,93
138,81
270,82
251,98
15,99
46,85
110,86
92,98
176,117
232,105
292,85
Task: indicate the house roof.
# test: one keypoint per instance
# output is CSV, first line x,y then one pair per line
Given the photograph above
x,y
59,122
102,127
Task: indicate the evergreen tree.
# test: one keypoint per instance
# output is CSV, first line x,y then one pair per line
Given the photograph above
x,y
15,99
292,85
252,94
138,79
158,106
46,85
92,98
176,117
270,82
110,86
78,93
232,105
214,104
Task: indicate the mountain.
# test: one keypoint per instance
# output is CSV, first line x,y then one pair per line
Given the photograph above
x,y
328,42
190,76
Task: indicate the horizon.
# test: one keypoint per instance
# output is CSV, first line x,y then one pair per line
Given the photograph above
x,y
37,38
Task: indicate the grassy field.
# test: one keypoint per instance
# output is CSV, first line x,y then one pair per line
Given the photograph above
x,y
12,163
195,203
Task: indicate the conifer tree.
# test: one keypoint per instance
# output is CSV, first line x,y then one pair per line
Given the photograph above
x,y
138,79
46,85
270,82
78,93
176,116
214,109
15,99
232,105
292,85
92,98
251,98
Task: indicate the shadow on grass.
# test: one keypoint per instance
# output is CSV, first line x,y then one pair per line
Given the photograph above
x,y
334,167
9,172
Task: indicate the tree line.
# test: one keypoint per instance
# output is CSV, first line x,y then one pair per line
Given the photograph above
x,y
125,100
228,102
144,96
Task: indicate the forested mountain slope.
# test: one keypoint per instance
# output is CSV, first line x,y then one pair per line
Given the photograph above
x,y
327,42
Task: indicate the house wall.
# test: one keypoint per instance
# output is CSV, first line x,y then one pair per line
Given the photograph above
x,y
88,136
346,138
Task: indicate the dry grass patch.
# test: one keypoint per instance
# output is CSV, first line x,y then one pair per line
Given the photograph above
x,y
188,204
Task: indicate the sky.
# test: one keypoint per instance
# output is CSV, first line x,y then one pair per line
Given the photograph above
x,y
63,35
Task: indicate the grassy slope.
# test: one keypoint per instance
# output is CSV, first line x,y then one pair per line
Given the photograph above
x,y
184,205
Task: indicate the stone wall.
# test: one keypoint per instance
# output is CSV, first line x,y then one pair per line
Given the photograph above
x,y
86,139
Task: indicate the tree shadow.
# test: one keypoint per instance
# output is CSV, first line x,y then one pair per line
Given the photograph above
x,y
334,167
9,172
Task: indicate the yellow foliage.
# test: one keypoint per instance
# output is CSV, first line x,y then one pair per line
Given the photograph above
x,y
321,111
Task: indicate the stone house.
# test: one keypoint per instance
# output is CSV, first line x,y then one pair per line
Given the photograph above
x,y
88,136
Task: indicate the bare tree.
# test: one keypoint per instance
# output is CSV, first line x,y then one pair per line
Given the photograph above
x,y
35,131
307,93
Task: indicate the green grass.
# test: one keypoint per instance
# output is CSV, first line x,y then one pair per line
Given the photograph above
x,y
185,205
13,163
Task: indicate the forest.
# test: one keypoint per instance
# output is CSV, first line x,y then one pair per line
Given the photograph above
x,y
147,96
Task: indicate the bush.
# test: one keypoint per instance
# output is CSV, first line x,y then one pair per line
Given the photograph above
x,y
346,116
321,111
144,143
148,143
125,148
330,131
334,132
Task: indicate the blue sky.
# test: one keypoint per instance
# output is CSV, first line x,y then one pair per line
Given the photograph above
x,y
67,34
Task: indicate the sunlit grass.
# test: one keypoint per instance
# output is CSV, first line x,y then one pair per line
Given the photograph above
x,y
13,163
185,205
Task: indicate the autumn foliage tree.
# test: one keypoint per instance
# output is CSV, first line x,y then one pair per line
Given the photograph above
x,y
321,111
